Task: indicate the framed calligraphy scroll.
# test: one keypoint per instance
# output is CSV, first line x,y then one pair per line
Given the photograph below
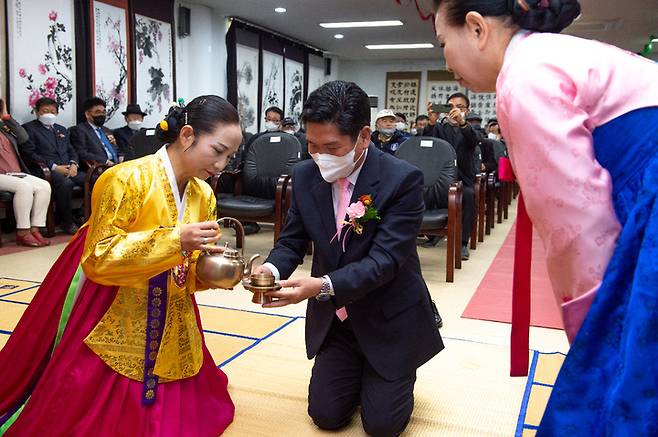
x,y
403,92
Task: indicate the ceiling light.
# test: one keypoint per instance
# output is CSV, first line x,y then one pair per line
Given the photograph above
x,y
280,10
654,40
339,36
345,25
399,46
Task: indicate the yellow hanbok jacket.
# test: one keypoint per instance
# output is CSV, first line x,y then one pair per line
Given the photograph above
x,y
134,235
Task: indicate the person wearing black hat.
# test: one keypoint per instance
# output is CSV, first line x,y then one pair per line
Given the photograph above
x,y
289,126
134,119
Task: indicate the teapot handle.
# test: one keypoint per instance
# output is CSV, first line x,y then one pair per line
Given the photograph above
x,y
238,228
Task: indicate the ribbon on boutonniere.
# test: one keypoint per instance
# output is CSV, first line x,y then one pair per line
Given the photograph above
x,y
358,213
520,337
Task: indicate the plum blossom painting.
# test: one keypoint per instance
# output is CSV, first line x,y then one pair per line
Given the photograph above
x,y
294,89
41,57
272,80
155,76
248,79
110,42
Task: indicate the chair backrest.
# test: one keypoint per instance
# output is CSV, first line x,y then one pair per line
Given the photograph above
x,y
437,160
144,142
270,156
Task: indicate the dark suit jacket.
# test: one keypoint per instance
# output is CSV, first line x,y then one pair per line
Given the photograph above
x,y
47,146
378,278
87,143
123,136
464,142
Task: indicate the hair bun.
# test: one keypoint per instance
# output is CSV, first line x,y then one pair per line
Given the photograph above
x,y
544,15
170,127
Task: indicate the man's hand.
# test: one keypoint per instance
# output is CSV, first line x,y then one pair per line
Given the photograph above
x,y
63,169
73,170
456,115
294,291
109,162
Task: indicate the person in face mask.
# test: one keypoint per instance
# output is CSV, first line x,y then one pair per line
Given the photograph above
x,y
401,122
50,146
289,126
92,140
369,313
134,117
273,118
388,137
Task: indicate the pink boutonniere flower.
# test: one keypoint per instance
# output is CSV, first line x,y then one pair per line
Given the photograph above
x,y
359,213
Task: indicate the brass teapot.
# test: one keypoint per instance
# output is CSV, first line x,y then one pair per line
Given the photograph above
x,y
225,270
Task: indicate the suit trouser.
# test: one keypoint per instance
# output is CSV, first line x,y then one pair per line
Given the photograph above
x,y
342,379
31,199
469,212
63,187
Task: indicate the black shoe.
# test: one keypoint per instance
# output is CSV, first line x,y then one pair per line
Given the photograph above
x,y
251,228
70,229
465,253
437,316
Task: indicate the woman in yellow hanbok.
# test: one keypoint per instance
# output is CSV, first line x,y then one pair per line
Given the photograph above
x,y
112,343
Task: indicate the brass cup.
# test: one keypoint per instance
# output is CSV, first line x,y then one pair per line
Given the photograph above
x,y
262,280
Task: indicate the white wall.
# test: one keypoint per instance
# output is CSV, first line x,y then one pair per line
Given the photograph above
x,y
371,75
201,57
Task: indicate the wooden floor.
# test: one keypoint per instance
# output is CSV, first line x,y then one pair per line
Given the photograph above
x,y
463,391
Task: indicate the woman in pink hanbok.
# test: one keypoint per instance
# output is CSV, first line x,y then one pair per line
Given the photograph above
x,y
581,122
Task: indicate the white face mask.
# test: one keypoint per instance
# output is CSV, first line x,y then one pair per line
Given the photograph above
x,y
387,130
271,126
400,126
333,167
135,124
414,131
48,119
492,136
290,131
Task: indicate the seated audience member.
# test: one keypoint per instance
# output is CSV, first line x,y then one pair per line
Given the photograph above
x,y
31,194
273,119
493,131
421,123
134,120
387,137
50,145
475,120
454,129
92,141
290,126
401,122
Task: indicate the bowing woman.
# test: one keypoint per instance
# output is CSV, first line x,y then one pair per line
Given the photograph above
x,y
581,122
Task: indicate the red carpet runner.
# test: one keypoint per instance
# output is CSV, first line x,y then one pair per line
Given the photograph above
x,y
493,298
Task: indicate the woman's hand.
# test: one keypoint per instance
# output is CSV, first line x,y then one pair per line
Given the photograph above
x,y
200,236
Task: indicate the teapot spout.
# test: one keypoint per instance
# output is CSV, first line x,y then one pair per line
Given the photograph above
x,y
247,267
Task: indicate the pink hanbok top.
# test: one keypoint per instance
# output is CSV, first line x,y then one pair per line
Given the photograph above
x,y
552,92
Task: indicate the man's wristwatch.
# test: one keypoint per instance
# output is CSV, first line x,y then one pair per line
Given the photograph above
x,y
326,291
